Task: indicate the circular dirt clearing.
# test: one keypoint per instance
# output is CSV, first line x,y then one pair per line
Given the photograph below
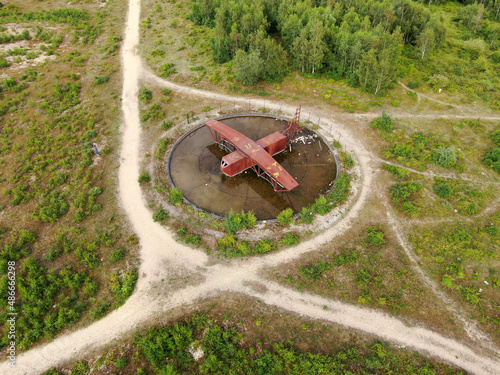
x,y
194,168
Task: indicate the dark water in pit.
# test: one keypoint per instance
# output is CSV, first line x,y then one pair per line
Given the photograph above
x,y
195,170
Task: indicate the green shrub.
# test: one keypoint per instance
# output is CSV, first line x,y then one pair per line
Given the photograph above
x,y
80,368
306,215
167,70
51,208
167,124
346,159
166,91
442,190
375,236
144,177
445,157
398,172
264,246
495,137
162,146
145,95
182,232
99,80
403,194
315,271
4,63
161,214
117,255
195,239
321,205
285,217
414,85
175,196
227,242
492,159
383,123
290,239
99,310
154,112
239,221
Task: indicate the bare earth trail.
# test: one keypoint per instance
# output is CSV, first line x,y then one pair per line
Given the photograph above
x,y
162,256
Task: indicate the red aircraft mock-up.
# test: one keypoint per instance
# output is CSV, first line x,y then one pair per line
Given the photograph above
x,y
246,153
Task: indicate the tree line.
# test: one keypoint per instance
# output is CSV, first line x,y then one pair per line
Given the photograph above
x,y
358,40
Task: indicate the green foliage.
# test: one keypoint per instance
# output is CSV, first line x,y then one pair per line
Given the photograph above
x,y
167,125
321,205
123,286
167,70
445,157
247,67
346,159
223,353
405,195
492,159
306,215
495,137
51,208
239,221
315,271
167,342
375,236
385,123
80,368
162,146
175,196
462,195
290,239
154,112
398,172
145,95
144,177
418,149
442,190
161,214
99,80
341,190
117,255
99,310
285,217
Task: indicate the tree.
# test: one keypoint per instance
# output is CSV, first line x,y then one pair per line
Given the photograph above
x,y
317,46
426,41
247,67
301,50
273,57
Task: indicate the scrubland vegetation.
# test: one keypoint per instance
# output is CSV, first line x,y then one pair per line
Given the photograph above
x,y
221,342
59,220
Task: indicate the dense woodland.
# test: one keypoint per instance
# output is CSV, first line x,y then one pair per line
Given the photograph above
x,y
365,42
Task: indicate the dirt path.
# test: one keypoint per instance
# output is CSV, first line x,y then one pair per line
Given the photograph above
x,y
162,256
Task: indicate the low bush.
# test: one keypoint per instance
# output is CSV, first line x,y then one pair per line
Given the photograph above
x,y
492,159
239,221
175,196
315,271
161,214
144,177
375,236
285,217
145,95
290,239
385,123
